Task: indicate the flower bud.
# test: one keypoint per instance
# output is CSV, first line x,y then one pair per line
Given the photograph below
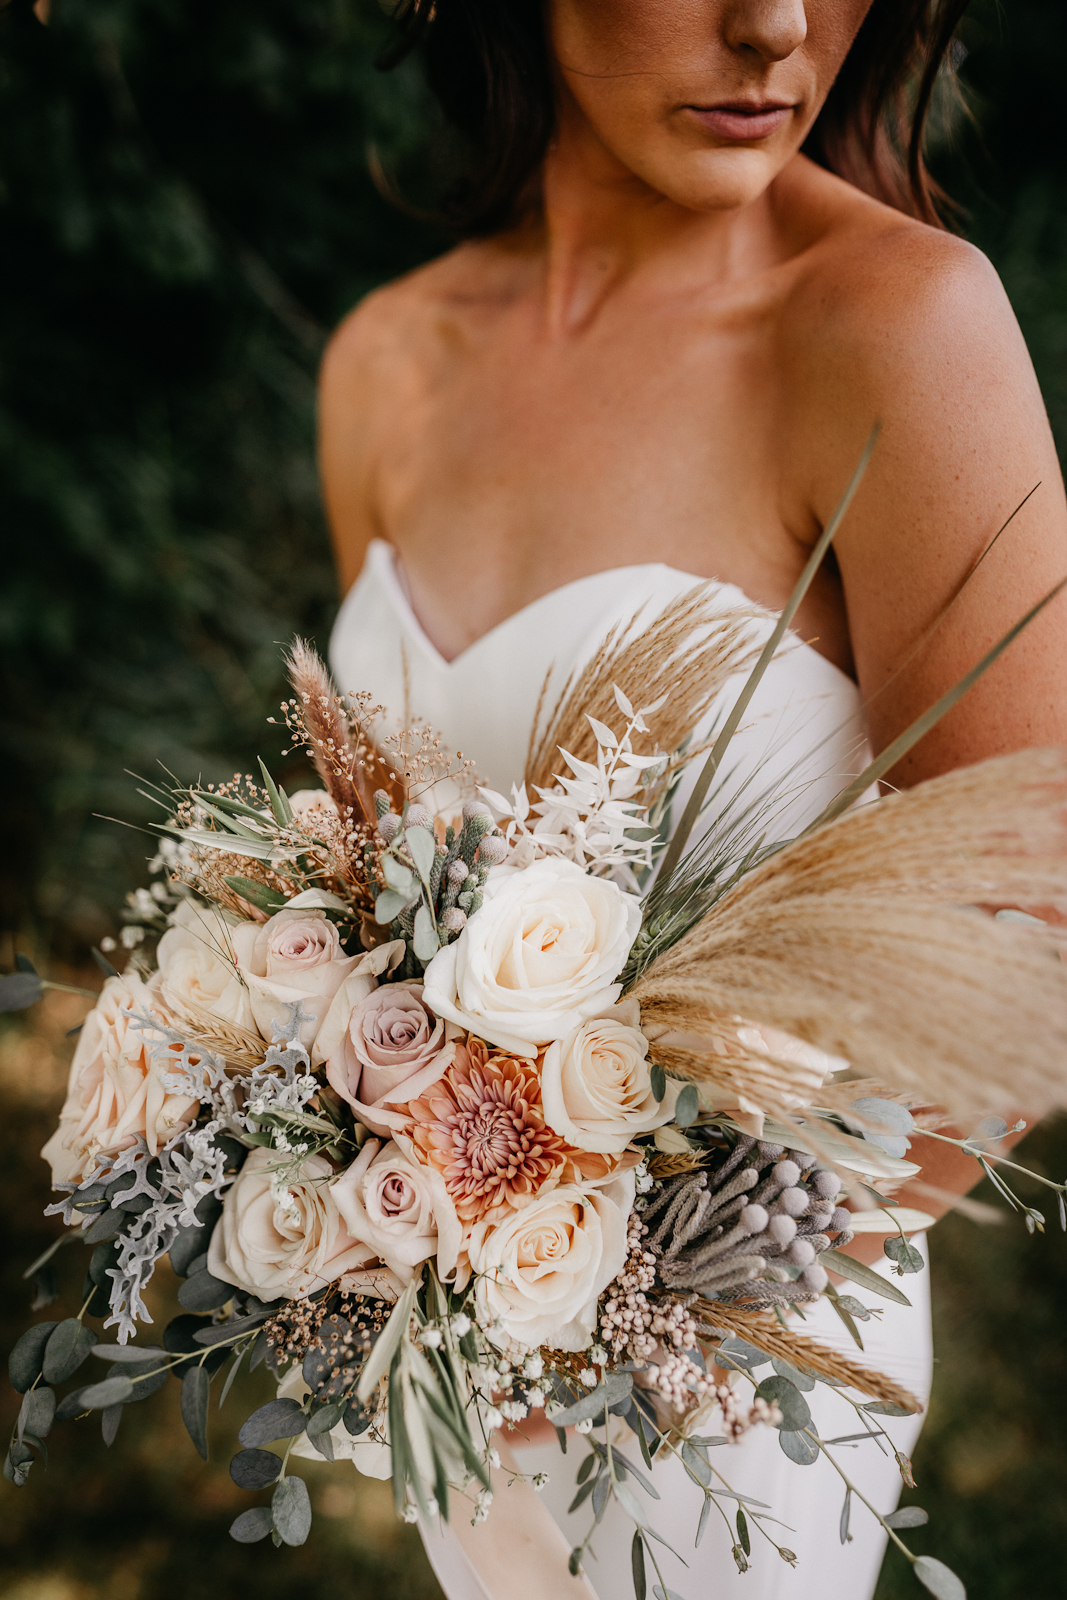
x,y
454,919
389,826
418,817
492,850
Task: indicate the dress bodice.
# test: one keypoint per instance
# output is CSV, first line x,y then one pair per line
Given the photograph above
x,y
803,733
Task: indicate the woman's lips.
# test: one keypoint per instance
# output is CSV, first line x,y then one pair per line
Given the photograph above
x,y
740,124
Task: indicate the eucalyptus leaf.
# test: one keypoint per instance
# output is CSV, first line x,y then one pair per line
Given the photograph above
x,y
278,1419
637,1566
425,941
741,1354
866,1277
742,1532
908,1517
106,1226
110,1418
380,1358
259,895
128,1352
582,1496
421,847
68,1346
789,1400
907,1258
939,1579
37,1412
24,1364
702,1524
322,1421
113,1391
799,1380
687,1106
846,1512
255,1469
630,1504
696,1463
399,878
203,1292
388,905
615,1387
886,1408
196,1392
658,1080
19,990
251,1526
799,1448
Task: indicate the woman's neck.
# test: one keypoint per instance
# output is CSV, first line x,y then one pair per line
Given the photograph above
x,y
602,226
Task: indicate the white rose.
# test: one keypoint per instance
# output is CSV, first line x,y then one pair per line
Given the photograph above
x,y
541,1270
541,956
115,1091
399,1208
292,1244
596,1087
294,955
368,1451
197,970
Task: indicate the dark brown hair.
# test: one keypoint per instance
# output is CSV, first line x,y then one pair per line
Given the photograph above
x,y
487,62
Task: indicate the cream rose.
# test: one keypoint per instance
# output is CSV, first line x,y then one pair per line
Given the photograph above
x,y
197,971
540,1270
115,1090
391,1051
292,1243
399,1208
310,806
541,956
295,955
596,1087
368,1452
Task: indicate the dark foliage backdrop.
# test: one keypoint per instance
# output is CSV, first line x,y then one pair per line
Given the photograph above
x,y
184,212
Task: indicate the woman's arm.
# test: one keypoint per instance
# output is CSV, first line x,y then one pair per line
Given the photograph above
x,y
926,342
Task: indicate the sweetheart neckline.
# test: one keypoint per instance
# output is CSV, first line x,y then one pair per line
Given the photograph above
x,y
383,560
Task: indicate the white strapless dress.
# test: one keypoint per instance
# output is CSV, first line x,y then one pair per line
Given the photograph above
x,y
804,733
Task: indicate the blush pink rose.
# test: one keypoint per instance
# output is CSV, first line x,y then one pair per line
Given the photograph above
x,y
390,1050
294,955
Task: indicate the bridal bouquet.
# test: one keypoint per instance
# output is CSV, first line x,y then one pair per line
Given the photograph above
x,y
453,1108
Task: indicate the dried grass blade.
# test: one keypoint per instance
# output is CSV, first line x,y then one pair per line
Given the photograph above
x,y
685,827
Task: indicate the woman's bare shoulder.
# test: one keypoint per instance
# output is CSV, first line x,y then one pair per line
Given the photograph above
x,y
406,319
877,288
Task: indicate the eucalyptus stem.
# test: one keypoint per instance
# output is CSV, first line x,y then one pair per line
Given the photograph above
x,y
809,1433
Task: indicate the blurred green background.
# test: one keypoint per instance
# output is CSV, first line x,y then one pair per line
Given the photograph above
x,y
185,211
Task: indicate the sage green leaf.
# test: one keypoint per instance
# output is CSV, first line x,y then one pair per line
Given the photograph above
x,y
907,1517
110,1418
799,1448
907,1258
19,990
866,1277
380,1358
251,1526
637,1564
687,1106
696,1463
421,847
255,1469
37,1412
25,1361
259,895
799,1380
68,1346
615,1388
658,1080
112,1392
196,1392
203,1292
939,1579
425,941
278,1419
886,1408
789,1400
742,1531
279,800
399,878
630,1505
580,1498
388,905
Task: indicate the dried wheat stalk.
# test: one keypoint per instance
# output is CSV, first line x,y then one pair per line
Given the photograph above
x,y
766,1334
240,1049
861,940
350,767
686,653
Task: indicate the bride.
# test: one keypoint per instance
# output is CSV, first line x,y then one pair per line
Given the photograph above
x,y
701,259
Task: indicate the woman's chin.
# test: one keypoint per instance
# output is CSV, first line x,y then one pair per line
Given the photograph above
x,y
718,178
